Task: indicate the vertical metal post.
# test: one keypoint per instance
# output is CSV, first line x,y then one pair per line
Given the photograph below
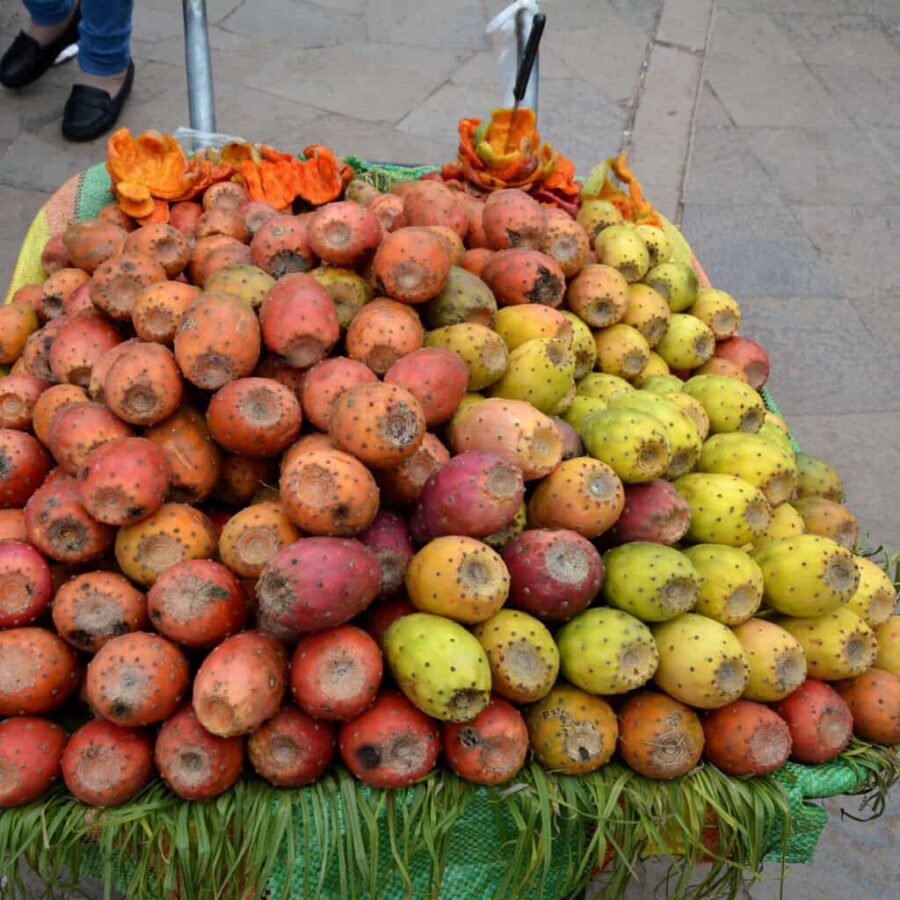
x,y
523,27
201,102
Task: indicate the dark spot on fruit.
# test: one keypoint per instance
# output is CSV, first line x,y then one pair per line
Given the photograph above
x,y
369,757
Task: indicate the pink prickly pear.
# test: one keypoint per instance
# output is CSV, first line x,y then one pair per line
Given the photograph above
x,y
749,356
388,538
654,511
746,738
819,720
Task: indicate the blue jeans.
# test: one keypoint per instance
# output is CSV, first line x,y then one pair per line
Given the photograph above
x,y
104,44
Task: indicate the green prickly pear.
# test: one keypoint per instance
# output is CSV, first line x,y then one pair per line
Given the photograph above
x,y
580,408
701,662
725,509
774,434
806,575
440,666
481,349
719,310
583,345
650,581
837,645
776,660
606,651
528,321
731,584
601,385
730,404
632,443
539,371
657,242
595,215
688,342
759,461
464,298
661,384
816,478
676,281
622,350
623,248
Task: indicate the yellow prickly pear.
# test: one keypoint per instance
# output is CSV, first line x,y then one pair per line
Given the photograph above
x,y
719,310
837,645
777,421
751,457
676,281
693,407
655,367
601,385
888,637
348,290
688,342
776,660
598,295
564,402
774,434
725,509
730,404
829,519
631,442
622,350
527,321
583,345
786,522
816,478
657,243
580,408
481,349
661,384
876,596
623,248
540,371
595,215
464,298
731,584
648,312
500,538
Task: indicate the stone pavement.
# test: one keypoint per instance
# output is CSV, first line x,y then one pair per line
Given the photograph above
x,y
769,128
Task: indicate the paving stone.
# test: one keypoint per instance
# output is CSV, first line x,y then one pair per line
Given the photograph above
x,y
750,37
710,112
824,40
296,23
881,316
20,206
481,69
757,251
216,10
446,106
685,23
459,24
867,96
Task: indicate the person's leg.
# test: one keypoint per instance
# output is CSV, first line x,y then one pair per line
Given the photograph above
x,y
104,48
48,19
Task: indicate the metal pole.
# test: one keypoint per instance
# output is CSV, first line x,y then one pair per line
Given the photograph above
x,y
523,27
201,102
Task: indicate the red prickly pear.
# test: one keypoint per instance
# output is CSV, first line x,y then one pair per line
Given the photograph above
x,y
380,616
226,195
391,745
18,396
436,378
50,402
411,265
746,738
749,356
280,246
162,242
318,582
388,537
291,749
475,494
521,275
256,213
403,483
382,332
91,241
429,203
25,584
118,282
79,343
144,386
342,233
512,218
325,382
38,672
251,537
78,429
57,292
820,721
654,511
55,256
553,574
874,701
24,463
30,752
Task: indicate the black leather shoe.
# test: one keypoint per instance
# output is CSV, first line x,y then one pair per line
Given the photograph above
x,y
26,60
91,112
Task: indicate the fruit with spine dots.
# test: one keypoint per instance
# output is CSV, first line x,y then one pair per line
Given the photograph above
x,y
427,203
388,209
771,433
595,215
725,509
876,596
687,344
40,671
439,665
78,429
511,218
184,215
657,241
457,577
104,363
816,478
325,382
30,753
806,575
520,275
580,408
163,243
583,345
572,731
748,356
565,402
648,312
513,429
240,684
216,252
463,298
622,350
566,242
828,519
602,386
655,512
650,581
280,246
623,248
252,536
731,583
527,322
383,332
291,749
606,651
633,443
522,655
12,525
437,378
820,722
482,350
106,765
25,584
491,748
776,660
655,367
730,404
475,259
540,371
144,385
411,265
716,365
598,295
160,307
381,615
348,290
837,645
785,522
118,282
757,460
18,321
35,359
256,213
581,494
693,408
701,662
554,574
388,537
55,256
499,539
719,310
227,195
475,494
658,736
249,283
746,738
403,483
343,232
676,281
242,478
79,343
335,674
874,701
318,582
777,421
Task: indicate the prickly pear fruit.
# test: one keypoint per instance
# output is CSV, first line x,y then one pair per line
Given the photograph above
x,y
623,248
725,509
786,522
388,538
522,654
688,342
583,345
436,378
748,356
751,457
606,651
601,386
656,365
598,295
631,442
806,575
676,281
572,731
595,215
654,511
828,519
657,242
775,657
701,662
659,737
662,384
731,584
530,321
650,581
774,434
464,298
820,721
540,371
482,350
888,637
648,312
622,350
691,407
439,665
499,539
876,596
837,645
553,574
730,404
746,738
580,408
719,310
874,701
816,478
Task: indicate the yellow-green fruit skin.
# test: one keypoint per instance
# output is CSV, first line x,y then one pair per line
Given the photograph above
x,y
876,597
730,404
528,321
836,645
500,538
661,384
693,408
606,651
595,215
348,290
725,509
719,310
888,637
776,660
688,342
583,345
572,731
481,349
580,408
439,665
632,443
829,519
251,284
816,478
464,298
601,386
540,372
731,584
621,350
806,575
623,248
701,662
774,434
648,312
676,281
522,654
786,522
657,243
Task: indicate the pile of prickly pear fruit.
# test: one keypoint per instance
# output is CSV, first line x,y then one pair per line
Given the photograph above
x,y
412,477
